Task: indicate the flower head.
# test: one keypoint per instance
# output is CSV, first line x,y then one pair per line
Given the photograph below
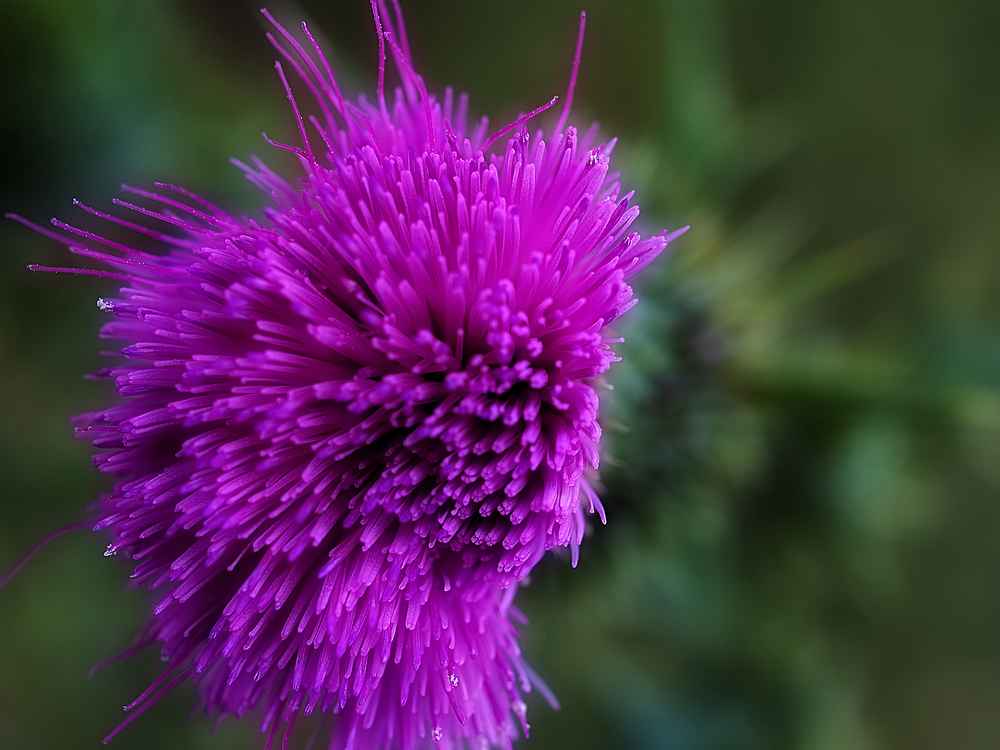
x,y
346,430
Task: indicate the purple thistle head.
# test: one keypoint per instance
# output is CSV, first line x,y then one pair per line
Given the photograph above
x,y
347,430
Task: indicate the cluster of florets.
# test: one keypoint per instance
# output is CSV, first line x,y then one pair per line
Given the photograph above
x,y
348,430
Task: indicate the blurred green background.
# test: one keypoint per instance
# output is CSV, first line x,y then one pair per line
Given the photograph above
x,y
802,448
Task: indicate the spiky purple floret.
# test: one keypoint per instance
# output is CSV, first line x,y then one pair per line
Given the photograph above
x,y
348,430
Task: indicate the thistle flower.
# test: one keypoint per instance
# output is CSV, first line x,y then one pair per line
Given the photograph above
x,y
347,430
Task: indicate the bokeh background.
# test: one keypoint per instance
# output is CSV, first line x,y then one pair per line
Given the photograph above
x,y
802,461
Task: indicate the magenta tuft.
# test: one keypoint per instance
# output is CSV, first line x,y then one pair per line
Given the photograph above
x,y
347,430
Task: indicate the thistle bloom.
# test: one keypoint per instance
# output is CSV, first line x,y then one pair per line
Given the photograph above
x,y
347,430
